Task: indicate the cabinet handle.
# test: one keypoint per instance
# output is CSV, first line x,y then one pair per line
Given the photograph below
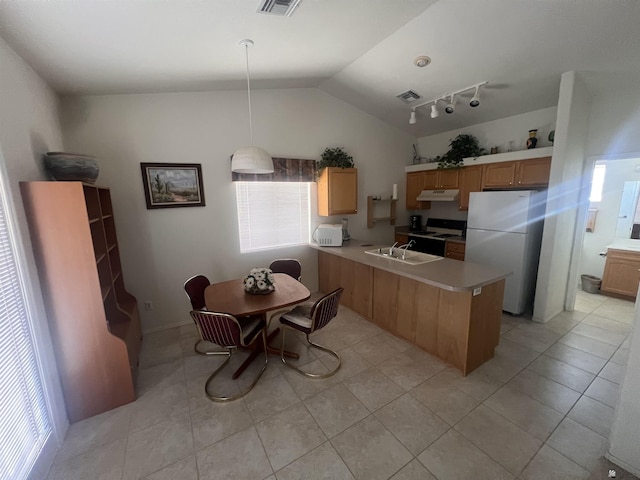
x,y
510,183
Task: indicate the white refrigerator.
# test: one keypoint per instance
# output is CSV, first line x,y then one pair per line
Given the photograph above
x,y
504,231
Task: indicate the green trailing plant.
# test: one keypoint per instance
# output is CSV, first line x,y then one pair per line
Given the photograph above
x,y
335,157
463,146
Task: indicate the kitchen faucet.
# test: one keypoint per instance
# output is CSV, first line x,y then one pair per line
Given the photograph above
x,y
391,249
406,246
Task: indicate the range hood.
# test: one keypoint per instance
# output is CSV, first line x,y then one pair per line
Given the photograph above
x,y
438,195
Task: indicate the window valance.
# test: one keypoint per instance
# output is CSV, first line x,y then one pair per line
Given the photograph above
x,y
284,170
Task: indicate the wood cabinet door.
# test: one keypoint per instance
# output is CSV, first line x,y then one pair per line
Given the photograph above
x,y
470,181
343,191
534,172
401,238
338,191
448,179
430,180
414,187
499,175
621,273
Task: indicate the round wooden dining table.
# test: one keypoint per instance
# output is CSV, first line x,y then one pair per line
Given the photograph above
x,y
230,297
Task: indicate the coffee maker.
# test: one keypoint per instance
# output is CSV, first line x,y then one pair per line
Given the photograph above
x,y
415,223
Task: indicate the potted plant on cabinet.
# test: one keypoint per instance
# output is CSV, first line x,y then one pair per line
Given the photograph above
x,y
463,146
335,157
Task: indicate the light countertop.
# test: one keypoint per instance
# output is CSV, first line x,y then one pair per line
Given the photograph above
x,y
448,274
629,244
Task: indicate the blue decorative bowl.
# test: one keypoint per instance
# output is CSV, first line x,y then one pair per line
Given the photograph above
x,y
71,167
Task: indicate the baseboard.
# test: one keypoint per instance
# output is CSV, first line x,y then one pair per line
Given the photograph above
x,y
629,468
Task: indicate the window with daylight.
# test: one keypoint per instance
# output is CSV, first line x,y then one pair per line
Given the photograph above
x,y
272,214
597,183
25,425
274,209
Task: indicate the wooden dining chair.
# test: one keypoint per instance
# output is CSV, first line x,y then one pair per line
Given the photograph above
x,y
309,319
230,333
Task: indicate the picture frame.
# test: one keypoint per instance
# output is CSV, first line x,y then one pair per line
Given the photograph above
x,y
170,185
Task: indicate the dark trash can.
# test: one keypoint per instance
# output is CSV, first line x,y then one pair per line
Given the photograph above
x,y
590,284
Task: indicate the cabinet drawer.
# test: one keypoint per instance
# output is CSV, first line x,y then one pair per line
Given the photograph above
x,y
454,250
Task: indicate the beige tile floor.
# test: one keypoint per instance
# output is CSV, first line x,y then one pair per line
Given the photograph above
x,y
541,409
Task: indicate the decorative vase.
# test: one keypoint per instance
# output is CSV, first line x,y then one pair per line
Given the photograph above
x,y
71,167
259,282
257,291
532,140
552,135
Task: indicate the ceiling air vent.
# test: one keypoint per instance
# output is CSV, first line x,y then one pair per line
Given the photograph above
x,y
284,8
409,96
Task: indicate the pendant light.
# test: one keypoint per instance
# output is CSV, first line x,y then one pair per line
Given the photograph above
x,y
250,159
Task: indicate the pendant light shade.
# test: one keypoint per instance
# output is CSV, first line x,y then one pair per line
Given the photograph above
x,y
251,159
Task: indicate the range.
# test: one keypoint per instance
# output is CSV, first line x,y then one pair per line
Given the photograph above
x,y
432,238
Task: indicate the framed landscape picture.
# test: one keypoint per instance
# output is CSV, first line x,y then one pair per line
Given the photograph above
x,y
169,185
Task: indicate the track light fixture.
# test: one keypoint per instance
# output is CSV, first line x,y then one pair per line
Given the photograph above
x,y
451,105
475,101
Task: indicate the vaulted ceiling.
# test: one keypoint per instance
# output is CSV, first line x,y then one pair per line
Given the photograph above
x,y
361,51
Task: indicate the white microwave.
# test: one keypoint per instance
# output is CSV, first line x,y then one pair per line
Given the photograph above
x,y
327,235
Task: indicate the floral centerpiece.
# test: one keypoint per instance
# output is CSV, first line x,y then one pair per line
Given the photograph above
x,y
259,281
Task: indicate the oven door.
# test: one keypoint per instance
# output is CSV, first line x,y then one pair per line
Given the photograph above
x,y
428,245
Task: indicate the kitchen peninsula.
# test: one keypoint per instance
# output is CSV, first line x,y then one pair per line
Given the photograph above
x,y
450,309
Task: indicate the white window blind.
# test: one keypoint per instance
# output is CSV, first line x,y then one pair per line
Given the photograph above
x,y
24,418
272,214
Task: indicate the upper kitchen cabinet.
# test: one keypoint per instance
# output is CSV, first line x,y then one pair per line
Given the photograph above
x,y
516,174
470,181
534,172
338,191
440,179
415,185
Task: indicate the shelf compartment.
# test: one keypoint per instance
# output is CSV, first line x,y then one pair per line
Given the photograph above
x,y
97,237
110,230
92,202
105,202
371,207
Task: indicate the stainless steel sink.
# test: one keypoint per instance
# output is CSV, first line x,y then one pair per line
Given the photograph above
x,y
410,257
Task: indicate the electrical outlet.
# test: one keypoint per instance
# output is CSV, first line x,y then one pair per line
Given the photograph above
x,y
477,291
148,305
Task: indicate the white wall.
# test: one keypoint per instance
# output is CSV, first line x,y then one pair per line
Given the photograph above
x,y
496,133
29,127
489,134
161,248
624,439
565,181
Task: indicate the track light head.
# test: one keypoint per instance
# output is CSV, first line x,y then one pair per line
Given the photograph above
x,y
412,118
475,101
451,106
434,111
